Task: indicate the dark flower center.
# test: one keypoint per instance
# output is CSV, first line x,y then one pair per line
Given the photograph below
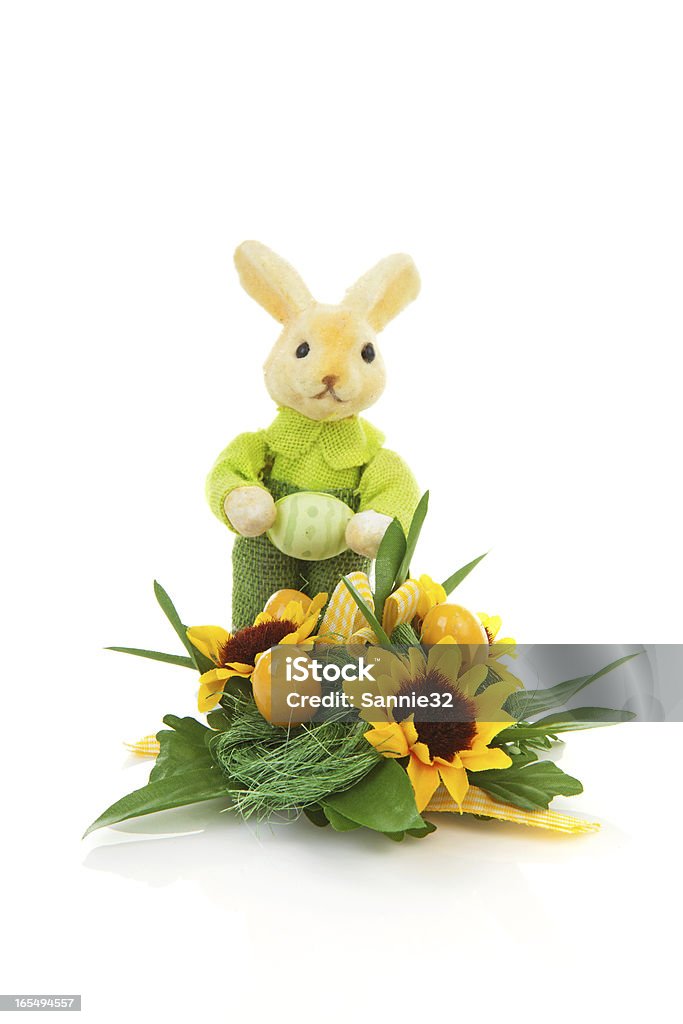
x,y
447,724
489,634
251,641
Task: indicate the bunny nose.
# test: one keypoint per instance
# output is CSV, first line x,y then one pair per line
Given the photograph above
x,y
330,380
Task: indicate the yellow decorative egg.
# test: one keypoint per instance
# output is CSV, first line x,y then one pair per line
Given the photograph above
x,y
283,714
454,621
278,601
460,625
310,525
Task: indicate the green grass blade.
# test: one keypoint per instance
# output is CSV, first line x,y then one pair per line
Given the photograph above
x,y
453,581
389,558
534,702
200,661
566,721
372,620
170,659
413,536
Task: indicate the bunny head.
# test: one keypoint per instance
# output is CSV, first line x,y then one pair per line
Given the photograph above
x,y
326,364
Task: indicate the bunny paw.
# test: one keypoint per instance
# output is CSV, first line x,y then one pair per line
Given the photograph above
x,y
251,510
365,531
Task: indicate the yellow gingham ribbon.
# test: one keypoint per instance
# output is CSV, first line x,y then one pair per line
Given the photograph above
x,y
147,746
476,801
344,622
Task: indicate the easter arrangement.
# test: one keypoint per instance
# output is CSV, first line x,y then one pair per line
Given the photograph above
x,y
347,688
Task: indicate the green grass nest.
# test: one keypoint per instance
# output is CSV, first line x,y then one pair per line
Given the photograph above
x,y
280,770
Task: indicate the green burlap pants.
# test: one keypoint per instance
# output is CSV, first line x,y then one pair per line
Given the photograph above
x,y
259,569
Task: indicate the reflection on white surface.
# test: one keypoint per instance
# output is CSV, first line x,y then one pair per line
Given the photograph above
x,y
294,867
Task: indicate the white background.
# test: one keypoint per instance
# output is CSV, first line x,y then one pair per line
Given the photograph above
x,y
529,157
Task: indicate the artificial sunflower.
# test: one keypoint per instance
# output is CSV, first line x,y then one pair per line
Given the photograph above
x,y
442,742
475,634
497,648
431,594
283,621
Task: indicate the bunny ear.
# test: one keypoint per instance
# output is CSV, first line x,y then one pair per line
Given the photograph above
x,y
271,281
384,291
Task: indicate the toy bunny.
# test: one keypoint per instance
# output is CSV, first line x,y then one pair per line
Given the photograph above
x,y
324,369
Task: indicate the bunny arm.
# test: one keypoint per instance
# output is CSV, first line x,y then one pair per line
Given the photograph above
x,y
388,486
241,464
317,456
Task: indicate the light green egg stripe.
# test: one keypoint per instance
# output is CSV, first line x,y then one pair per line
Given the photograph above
x,y
291,523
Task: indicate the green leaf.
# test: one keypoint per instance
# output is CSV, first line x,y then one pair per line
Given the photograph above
x,y
189,727
338,822
341,824
170,659
389,557
404,636
414,531
316,815
200,661
521,757
382,800
526,703
528,746
416,833
453,581
370,617
565,721
175,791
218,720
183,748
531,787
420,833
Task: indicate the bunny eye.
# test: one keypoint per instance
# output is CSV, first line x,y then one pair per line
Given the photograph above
x,y
368,352
303,350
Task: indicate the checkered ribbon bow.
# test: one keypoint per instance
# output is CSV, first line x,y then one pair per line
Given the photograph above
x,y
344,622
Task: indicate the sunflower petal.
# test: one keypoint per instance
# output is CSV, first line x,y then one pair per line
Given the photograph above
x,y
293,612
491,757
208,640
214,679
312,616
388,739
491,623
400,670
417,662
446,659
317,604
425,781
489,704
470,681
237,668
431,594
208,701
486,732
454,778
410,732
211,686
263,617
421,752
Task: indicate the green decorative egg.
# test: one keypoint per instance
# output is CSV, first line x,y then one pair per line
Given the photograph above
x,y
310,525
